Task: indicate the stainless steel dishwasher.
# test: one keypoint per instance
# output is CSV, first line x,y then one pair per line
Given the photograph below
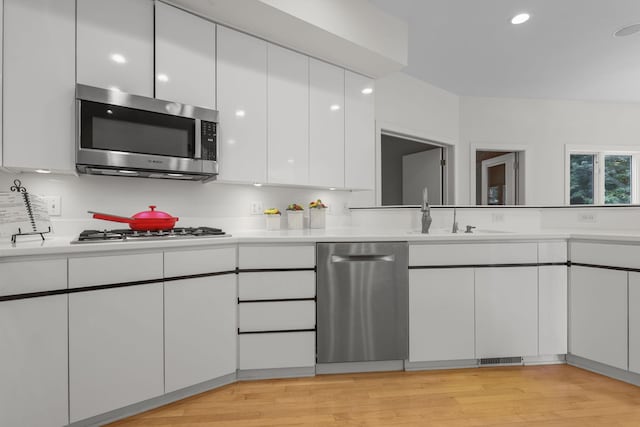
x,y
362,301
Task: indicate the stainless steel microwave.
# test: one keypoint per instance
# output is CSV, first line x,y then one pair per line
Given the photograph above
x,y
130,135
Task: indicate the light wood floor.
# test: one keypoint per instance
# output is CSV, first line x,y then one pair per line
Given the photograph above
x,y
557,395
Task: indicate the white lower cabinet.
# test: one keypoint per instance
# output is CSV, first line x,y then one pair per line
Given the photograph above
x,y
598,320
33,362
277,315
115,348
277,350
634,322
276,310
200,330
441,314
552,310
506,311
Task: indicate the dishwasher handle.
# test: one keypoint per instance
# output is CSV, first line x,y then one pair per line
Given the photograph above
x,y
361,258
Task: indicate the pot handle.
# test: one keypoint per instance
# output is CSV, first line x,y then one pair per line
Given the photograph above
x,y
109,217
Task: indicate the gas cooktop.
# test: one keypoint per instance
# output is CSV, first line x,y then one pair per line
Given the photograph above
x,y
124,235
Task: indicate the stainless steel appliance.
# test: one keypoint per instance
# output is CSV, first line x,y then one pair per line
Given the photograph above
x,y
130,135
127,235
362,301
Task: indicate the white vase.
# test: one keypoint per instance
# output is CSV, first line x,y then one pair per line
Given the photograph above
x,y
317,218
295,220
273,222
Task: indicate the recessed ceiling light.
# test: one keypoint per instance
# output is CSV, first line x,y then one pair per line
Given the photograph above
x,y
43,171
367,91
332,188
118,58
520,18
240,113
163,78
334,107
629,30
257,184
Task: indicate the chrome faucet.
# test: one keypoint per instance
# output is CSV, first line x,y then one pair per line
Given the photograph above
x,y
454,228
426,213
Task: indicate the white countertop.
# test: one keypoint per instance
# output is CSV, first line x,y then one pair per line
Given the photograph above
x,y
33,245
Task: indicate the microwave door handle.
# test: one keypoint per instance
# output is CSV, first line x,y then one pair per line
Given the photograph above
x,y
198,147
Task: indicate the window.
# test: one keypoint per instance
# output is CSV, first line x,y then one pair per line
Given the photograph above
x,y
603,177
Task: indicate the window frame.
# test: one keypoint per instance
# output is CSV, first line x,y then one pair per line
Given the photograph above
x,y
599,154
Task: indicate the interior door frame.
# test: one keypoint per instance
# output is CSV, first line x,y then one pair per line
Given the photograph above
x,y
449,146
523,164
508,160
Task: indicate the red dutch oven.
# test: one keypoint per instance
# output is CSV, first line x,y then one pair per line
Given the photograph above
x,y
151,220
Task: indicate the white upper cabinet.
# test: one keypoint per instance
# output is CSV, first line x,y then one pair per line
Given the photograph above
x,y
326,108
39,85
359,142
288,106
242,101
185,57
115,45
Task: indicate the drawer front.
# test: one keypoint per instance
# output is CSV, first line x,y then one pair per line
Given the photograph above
x,y
277,285
277,350
103,270
19,277
276,256
552,251
614,255
185,263
277,316
472,254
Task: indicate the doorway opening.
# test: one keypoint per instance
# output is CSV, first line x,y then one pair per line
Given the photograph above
x,y
408,165
499,177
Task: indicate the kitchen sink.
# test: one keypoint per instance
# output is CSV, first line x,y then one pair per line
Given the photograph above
x,y
443,232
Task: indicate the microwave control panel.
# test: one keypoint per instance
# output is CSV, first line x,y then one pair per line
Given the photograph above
x,y
208,138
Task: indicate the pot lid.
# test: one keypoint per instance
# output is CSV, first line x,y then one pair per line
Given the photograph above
x,y
152,214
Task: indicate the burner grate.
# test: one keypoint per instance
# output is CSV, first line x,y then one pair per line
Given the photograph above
x,y
88,236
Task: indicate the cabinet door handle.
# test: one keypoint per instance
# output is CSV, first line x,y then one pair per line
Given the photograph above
x,y
360,258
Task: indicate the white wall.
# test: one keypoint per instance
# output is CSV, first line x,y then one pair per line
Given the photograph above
x,y
196,204
410,106
544,127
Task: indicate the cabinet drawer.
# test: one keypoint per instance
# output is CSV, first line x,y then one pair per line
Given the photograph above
x,y
276,256
615,255
473,254
277,285
103,270
184,263
19,277
277,350
277,316
552,251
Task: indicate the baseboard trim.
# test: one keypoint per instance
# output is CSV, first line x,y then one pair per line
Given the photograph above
x,y
602,369
352,367
475,363
441,364
555,359
136,408
272,373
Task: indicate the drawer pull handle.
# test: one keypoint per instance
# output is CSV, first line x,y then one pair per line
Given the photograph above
x,y
363,258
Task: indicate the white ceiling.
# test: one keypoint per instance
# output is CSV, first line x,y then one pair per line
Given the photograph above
x,y
565,51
